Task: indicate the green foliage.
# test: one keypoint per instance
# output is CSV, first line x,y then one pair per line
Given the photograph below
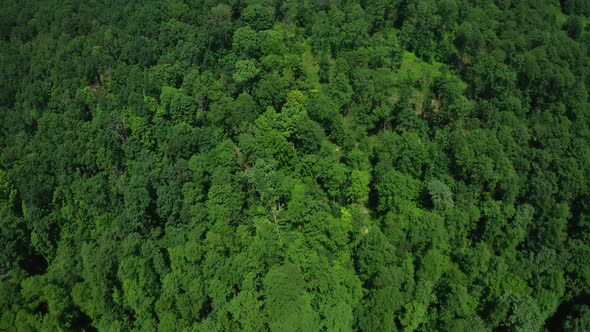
x,y
441,195
258,16
358,189
287,303
245,42
245,70
579,322
375,165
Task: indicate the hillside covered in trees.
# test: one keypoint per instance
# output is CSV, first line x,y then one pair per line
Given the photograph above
x,y
295,165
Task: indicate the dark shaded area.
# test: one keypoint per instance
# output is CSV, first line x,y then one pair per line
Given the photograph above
x,y
83,323
34,263
565,309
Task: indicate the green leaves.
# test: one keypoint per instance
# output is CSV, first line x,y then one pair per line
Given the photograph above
x,y
441,195
358,188
245,42
374,165
396,190
267,181
288,305
245,70
174,104
258,16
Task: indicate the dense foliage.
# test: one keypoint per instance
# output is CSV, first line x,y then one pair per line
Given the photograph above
x,y
295,165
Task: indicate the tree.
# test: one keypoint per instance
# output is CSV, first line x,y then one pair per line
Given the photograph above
x,y
573,26
258,16
219,25
245,42
358,189
580,322
245,70
441,195
288,304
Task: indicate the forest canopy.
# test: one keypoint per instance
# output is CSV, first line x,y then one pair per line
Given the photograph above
x,y
295,165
